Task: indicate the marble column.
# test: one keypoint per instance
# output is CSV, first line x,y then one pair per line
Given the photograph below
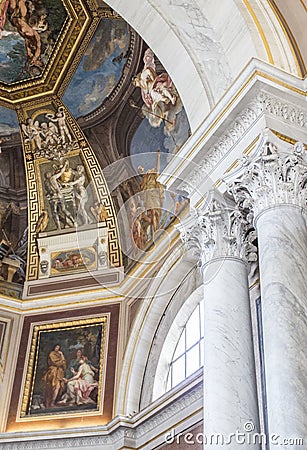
x,y
273,184
230,393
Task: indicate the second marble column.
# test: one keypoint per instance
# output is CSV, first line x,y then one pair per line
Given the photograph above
x,y
231,417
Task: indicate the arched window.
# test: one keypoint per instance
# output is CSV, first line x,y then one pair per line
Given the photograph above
x,y
188,356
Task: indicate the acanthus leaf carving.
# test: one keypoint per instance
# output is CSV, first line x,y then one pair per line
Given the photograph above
x,y
222,229
262,103
271,177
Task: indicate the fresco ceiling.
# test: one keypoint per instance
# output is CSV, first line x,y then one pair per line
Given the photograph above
x,y
83,74
100,68
29,35
39,40
96,75
81,92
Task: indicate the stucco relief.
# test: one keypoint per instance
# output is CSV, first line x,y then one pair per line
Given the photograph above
x,y
190,21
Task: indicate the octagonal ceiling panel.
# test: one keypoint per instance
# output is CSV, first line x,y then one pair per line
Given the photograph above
x,y
29,36
39,41
100,68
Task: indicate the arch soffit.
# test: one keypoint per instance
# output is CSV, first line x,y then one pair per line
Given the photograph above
x,y
167,281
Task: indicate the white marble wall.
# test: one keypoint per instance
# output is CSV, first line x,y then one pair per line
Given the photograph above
x,y
283,266
229,372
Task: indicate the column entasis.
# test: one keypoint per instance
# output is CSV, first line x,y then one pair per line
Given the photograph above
x,y
222,236
273,184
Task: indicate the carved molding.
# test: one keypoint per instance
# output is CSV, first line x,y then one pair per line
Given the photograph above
x,y
263,103
272,176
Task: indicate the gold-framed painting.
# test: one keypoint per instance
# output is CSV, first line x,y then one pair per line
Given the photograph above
x,y
73,260
65,371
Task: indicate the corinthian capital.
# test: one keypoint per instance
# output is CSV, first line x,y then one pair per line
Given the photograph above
x,y
219,230
275,174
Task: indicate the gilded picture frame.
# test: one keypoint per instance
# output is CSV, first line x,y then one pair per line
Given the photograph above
x,y
65,371
73,260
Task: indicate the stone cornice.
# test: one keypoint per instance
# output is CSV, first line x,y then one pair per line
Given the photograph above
x,y
261,97
264,103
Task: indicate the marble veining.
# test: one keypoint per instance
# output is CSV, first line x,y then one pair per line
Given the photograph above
x,y
283,266
229,370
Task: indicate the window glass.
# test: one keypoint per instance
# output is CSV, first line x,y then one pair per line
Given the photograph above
x,y
178,370
192,357
193,328
180,348
188,356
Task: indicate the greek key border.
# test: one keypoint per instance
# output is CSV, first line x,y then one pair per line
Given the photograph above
x,y
103,194
35,196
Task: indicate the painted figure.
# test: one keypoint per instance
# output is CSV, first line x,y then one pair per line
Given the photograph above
x,y
42,222
49,136
99,212
74,364
153,193
139,225
55,195
3,10
159,94
80,386
80,193
33,133
53,378
18,16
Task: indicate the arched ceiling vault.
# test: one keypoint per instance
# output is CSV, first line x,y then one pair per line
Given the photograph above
x,y
208,50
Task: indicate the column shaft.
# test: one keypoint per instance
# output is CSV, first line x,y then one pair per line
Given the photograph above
x,y
282,241
231,404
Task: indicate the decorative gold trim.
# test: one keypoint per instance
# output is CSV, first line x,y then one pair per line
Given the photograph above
x,y
285,138
72,40
35,187
299,60
260,31
143,321
303,4
254,284
4,344
67,306
30,376
71,66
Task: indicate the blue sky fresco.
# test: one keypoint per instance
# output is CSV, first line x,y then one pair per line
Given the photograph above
x,y
12,57
8,121
147,140
100,68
